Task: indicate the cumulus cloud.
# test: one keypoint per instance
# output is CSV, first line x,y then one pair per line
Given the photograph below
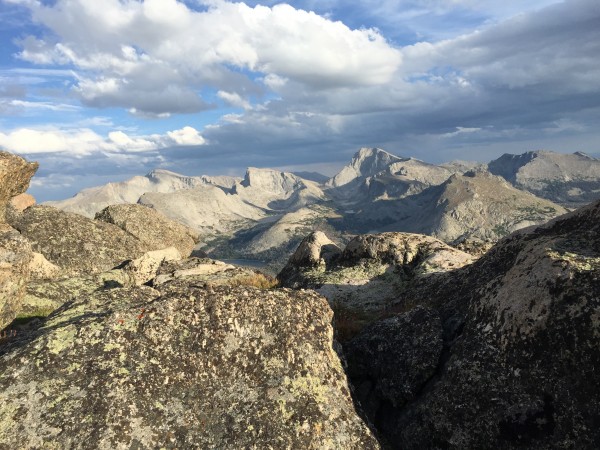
x,y
84,141
155,56
186,136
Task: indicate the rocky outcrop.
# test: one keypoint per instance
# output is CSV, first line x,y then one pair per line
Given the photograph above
x,y
372,271
315,250
76,244
15,251
15,257
15,174
21,202
183,365
144,269
152,228
520,330
43,296
209,272
41,268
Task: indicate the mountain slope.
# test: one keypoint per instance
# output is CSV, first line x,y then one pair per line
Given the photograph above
x,y
570,179
473,206
207,209
92,200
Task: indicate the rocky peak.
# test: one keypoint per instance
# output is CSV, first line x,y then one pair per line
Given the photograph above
x,y
570,179
366,162
271,180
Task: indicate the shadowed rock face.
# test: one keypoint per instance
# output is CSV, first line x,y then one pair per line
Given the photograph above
x,y
519,362
152,228
184,366
75,243
392,360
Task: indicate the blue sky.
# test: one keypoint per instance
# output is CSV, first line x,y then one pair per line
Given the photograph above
x,y
101,91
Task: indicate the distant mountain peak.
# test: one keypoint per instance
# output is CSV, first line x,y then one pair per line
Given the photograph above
x,y
570,179
366,162
156,173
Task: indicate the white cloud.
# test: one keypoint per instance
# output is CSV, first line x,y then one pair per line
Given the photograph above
x,y
26,140
461,130
186,136
81,142
234,99
156,55
57,107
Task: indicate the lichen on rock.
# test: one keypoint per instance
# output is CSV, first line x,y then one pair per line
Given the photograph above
x,y
15,257
518,366
152,228
78,245
180,367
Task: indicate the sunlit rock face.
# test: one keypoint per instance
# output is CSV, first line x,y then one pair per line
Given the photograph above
x,y
192,363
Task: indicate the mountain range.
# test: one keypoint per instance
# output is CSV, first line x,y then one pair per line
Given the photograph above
x,y
265,214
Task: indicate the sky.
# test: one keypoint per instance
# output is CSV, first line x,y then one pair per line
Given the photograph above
x,y
100,91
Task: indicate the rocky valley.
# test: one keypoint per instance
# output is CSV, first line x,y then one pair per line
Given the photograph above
x,y
418,306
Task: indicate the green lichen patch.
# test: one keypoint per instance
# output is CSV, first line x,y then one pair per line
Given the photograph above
x,y
185,367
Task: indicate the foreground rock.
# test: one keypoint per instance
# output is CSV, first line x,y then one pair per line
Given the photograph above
x,y
15,258
180,367
15,252
152,228
15,174
43,296
392,360
519,362
75,243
